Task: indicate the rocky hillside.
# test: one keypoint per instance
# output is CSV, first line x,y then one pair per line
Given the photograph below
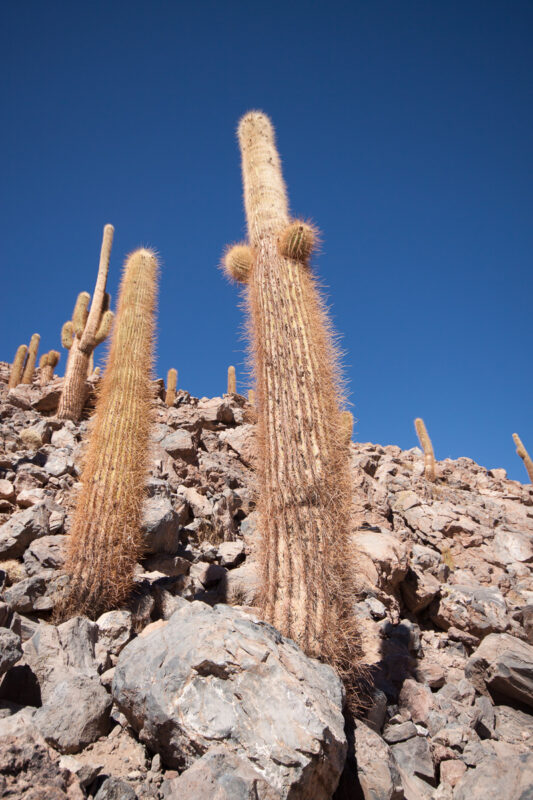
x,y
186,694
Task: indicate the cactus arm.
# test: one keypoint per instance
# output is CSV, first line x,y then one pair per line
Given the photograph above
x,y
87,341
67,335
106,538
81,312
17,368
105,326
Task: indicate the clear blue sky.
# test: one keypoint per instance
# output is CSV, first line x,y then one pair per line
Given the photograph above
x,y
405,130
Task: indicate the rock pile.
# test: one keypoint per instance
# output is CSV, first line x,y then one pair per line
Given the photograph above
x,y
187,694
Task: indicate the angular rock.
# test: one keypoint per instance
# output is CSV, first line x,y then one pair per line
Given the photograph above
x,y
45,555
22,528
417,699
160,525
510,778
505,665
10,649
75,714
221,774
478,610
414,757
203,676
387,554
116,789
376,768
22,595
179,444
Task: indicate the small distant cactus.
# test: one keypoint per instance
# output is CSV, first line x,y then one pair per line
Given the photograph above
x,y
427,447
47,364
106,538
17,368
232,381
31,439
524,455
29,369
86,330
172,383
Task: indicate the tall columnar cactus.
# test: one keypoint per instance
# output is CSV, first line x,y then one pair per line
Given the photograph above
x,y
86,330
427,447
303,475
524,455
172,383
232,381
48,363
17,368
106,538
29,368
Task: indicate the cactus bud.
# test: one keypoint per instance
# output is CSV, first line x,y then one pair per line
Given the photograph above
x,y
297,241
238,262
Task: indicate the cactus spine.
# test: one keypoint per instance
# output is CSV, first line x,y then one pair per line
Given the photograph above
x,y
172,383
251,397
303,476
49,363
427,447
29,369
106,539
87,329
232,381
17,368
524,455
347,425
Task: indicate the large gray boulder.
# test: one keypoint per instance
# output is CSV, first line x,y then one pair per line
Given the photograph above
x,y
376,768
509,777
505,665
217,676
75,714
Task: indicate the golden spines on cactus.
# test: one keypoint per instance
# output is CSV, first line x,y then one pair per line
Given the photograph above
x,y
347,425
524,455
238,262
17,368
304,486
297,241
172,383
427,447
87,329
29,368
232,381
251,397
106,538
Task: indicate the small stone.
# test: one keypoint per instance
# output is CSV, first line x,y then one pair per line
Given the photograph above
x,y
451,771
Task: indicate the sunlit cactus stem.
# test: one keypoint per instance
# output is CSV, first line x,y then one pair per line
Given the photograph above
x,y
232,381
88,328
51,360
17,368
427,447
172,383
524,455
29,368
106,538
303,470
